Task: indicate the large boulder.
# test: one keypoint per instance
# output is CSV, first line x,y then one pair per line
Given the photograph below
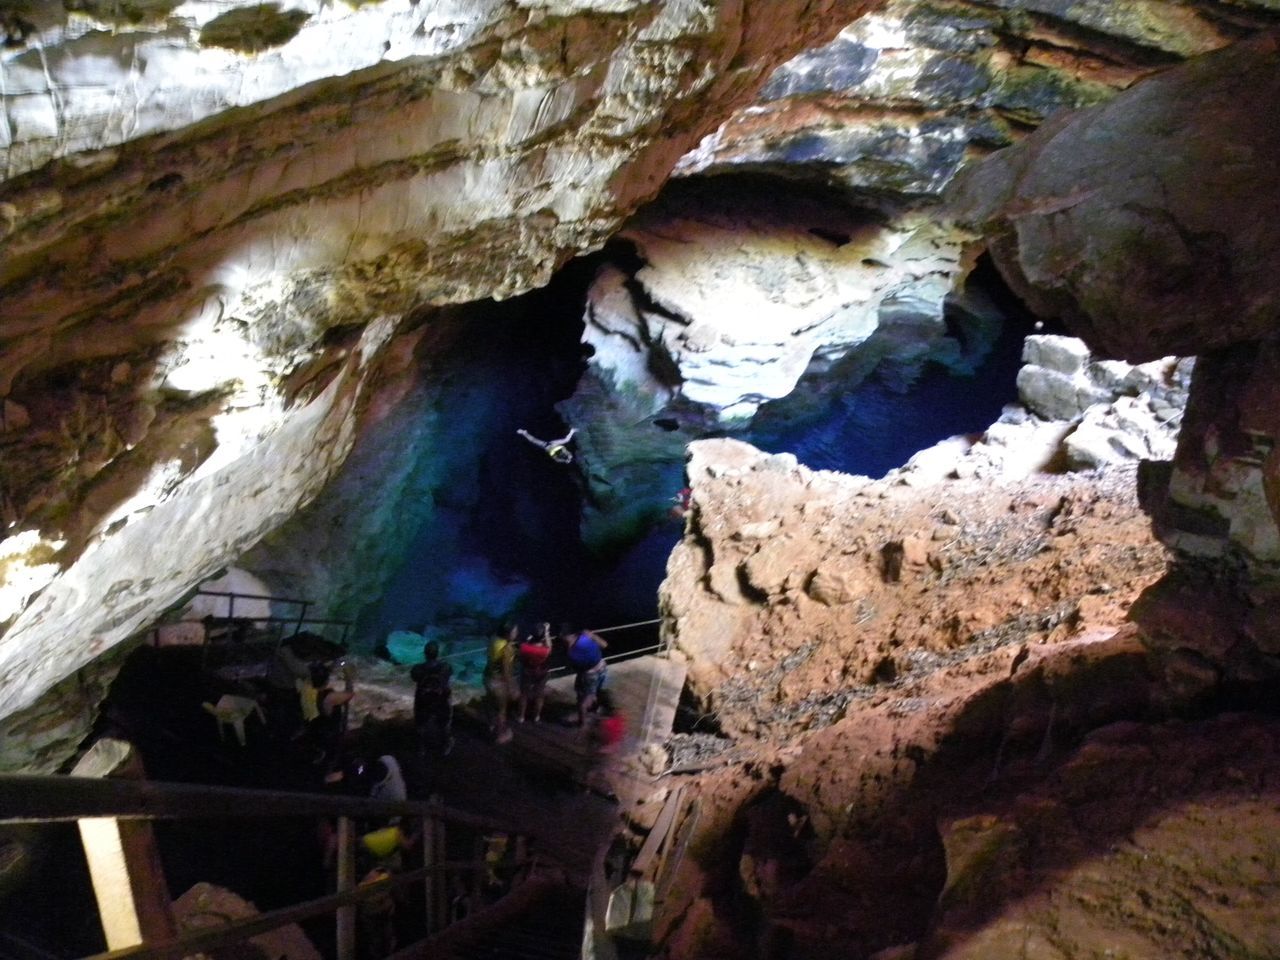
x,y
1150,225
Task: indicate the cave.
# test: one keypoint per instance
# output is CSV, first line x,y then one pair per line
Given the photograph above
x,y
916,362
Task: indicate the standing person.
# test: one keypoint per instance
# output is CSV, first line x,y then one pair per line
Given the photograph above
x,y
500,678
586,658
323,710
433,700
535,655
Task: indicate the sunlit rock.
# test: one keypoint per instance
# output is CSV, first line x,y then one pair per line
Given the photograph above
x,y
727,306
1158,246
201,306
1122,412
744,305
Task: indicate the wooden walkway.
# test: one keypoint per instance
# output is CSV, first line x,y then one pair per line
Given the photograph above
x,y
645,690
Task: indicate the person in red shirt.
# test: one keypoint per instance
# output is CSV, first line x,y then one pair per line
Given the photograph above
x,y
612,725
534,656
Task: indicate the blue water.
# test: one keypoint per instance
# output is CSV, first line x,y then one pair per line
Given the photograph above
x,y
879,424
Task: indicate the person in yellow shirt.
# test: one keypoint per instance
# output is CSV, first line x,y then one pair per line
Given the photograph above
x,y
500,678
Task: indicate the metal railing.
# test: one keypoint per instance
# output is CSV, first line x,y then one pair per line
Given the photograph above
x,y
31,799
231,632
298,621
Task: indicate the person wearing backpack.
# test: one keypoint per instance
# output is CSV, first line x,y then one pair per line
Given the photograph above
x,y
433,700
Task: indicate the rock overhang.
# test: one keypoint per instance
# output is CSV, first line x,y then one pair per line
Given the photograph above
x,y
297,215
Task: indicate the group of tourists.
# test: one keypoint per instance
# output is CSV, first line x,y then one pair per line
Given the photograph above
x,y
516,668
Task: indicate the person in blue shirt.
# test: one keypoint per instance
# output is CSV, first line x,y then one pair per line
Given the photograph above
x,y
585,651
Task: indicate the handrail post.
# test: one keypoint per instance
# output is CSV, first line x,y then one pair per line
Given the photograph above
x,y
302,617
430,880
346,931
480,863
444,914
124,864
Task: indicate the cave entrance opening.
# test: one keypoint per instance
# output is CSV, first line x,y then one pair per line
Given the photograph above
x,y
481,525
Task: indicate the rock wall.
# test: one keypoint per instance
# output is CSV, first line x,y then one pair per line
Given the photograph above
x,y
726,298
199,309
1120,412
937,810
905,674
897,104
821,585
880,121
1160,243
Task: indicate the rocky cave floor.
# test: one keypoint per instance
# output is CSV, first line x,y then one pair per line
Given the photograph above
x,y
986,757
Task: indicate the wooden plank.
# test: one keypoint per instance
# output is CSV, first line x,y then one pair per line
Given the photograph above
x,y
657,836
346,914
109,872
679,844
129,885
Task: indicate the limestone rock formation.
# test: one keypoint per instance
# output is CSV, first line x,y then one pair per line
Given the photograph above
x,y
1161,244
897,104
203,305
720,306
886,115
1223,495
903,673
742,303
833,584
1147,245
1123,412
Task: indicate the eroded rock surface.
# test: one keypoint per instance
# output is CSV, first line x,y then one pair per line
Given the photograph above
x,y
898,103
196,321
941,735
722,306
798,592
1149,243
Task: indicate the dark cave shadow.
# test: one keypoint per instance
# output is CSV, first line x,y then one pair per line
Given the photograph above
x,y
1015,738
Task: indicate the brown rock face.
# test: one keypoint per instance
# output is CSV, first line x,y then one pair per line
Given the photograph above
x,y
967,754
1224,495
1151,224
791,573
964,756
